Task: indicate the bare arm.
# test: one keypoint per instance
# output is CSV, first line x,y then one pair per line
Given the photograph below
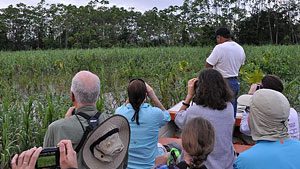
x,y
153,97
207,65
191,93
253,88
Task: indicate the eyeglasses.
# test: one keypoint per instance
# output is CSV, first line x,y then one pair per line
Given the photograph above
x,y
137,79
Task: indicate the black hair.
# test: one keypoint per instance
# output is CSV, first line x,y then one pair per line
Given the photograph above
x,y
224,32
212,90
272,82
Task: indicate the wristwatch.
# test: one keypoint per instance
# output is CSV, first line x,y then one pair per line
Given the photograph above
x,y
186,104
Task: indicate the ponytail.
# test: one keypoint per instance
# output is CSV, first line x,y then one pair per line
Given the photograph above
x,y
137,93
135,116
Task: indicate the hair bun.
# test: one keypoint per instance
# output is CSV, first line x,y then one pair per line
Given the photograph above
x,y
197,161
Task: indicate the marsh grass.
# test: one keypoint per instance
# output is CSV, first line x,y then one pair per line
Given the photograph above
x,y
34,85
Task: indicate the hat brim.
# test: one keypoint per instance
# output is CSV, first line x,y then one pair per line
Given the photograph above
x,y
117,121
244,100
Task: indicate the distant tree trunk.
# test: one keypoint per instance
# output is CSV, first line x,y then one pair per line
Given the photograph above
x,y
257,26
276,24
293,35
270,28
66,40
90,39
276,35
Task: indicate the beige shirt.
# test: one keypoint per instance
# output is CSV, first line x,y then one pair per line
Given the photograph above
x,y
70,128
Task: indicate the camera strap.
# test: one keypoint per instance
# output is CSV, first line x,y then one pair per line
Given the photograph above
x,y
93,123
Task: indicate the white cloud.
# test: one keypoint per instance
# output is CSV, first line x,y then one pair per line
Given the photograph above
x,y
141,5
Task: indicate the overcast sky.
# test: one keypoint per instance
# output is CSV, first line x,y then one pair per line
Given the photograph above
x,y
141,5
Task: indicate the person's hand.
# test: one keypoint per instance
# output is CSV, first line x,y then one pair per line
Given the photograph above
x,y
160,160
68,157
153,97
27,159
191,86
150,91
253,88
69,112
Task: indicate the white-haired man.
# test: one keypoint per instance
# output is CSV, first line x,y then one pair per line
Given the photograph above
x,y
268,120
85,91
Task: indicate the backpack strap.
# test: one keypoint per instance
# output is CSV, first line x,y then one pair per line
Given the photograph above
x,y
93,123
87,117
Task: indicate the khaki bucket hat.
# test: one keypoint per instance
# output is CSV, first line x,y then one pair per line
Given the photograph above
x,y
107,146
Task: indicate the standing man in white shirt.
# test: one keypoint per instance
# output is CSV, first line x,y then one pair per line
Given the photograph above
x,y
227,57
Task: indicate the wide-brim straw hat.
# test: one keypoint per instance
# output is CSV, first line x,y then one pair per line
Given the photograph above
x,y
107,146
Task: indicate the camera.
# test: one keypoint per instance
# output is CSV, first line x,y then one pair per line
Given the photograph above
x,y
74,112
49,158
258,86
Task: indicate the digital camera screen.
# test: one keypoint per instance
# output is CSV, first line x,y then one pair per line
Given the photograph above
x,y
49,158
46,161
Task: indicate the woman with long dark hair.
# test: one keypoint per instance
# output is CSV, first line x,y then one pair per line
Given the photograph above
x,y
212,98
145,121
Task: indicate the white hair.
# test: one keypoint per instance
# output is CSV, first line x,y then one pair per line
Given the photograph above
x,y
86,87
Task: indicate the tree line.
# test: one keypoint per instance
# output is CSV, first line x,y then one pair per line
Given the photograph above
x,y
53,26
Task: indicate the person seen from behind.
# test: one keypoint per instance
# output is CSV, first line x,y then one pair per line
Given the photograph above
x,y
198,138
145,122
268,120
84,93
268,82
227,57
212,102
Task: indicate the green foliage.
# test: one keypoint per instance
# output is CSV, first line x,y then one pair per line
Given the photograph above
x,y
253,77
292,90
57,26
35,84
